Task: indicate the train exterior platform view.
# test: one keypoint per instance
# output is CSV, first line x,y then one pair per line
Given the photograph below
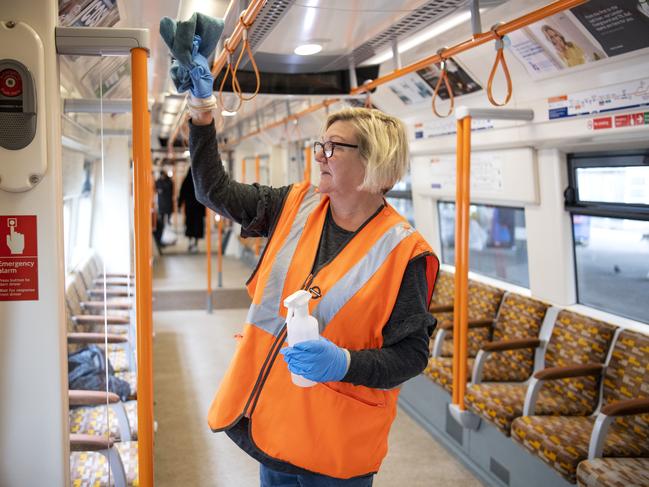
x,y
318,243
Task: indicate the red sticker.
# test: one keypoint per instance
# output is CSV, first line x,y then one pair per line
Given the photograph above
x,y
11,84
18,258
602,123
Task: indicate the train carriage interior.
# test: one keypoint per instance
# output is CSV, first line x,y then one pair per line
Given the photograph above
x,y
124,300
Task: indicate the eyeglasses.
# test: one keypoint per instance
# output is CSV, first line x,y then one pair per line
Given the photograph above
x,y
327,148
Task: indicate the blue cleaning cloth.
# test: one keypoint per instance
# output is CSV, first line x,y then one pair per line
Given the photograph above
x,y
179,36
191,43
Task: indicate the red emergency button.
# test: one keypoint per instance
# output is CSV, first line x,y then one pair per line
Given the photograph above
x,y
11,84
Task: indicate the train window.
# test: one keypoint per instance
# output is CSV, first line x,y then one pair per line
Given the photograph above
x,y
400,197
608,198
612,261
497,241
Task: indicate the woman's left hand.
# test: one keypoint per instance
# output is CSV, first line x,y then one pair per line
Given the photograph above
x,y
317,360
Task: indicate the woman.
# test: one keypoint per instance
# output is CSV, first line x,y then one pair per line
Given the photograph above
x,y
194,212
570,53
371,276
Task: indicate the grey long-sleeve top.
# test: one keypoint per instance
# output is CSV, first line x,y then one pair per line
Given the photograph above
x,y
406,334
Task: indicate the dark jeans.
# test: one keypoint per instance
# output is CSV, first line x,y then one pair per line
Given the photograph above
x,y
272,478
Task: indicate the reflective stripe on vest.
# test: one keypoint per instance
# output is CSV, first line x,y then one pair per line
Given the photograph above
x,y
357,276
266,315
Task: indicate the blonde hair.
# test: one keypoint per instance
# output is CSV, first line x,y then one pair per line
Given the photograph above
x,y
382,145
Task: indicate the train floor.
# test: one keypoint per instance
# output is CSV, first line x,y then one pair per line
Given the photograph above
x,y
191,352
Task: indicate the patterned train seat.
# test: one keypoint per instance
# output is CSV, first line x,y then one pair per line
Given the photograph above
x,y
563,441
93,420
519,317
91,468
613,472
483,303
575,340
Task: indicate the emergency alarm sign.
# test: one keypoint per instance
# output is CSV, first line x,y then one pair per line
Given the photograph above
x,y
18,258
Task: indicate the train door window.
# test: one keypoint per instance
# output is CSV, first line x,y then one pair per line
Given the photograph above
x,y
497,241
400,197
608,199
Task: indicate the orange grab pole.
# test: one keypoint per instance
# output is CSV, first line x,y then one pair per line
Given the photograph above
x,y
208,256
457,298
463,289
506,28
307,164
143,295
243,170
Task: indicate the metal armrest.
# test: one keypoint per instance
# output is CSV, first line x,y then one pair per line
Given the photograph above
x,y
100,320
554,373
581,370
439,342
109,292
86,338
607,415
113,305
515,344
440,308
104,446
80,397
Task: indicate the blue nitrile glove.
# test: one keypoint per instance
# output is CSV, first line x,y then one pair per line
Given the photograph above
x,y
317,360
197,78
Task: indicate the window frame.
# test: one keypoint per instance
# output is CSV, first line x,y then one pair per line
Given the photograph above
x,y
627,211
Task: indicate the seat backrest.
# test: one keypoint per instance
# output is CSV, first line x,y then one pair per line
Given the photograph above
x,y
444,289
518,317
483,300
578,339
627,377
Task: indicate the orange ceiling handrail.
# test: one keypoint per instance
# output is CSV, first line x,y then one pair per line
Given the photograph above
x,y
285,120
477,40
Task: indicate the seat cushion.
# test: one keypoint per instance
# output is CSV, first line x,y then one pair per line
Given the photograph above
x,y
501,403
91,420
613,472
562,441
91,468
440,371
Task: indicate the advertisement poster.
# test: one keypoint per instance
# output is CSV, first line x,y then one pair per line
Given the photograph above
x,y
411,88
88,13
596,30
461,82
618,26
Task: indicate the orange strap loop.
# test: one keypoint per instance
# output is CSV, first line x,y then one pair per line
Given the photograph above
x,y
500,58
246,47
443,76
235,83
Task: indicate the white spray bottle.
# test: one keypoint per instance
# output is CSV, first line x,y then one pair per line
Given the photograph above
x,y
301,326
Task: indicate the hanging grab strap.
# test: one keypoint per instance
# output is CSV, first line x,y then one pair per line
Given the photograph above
x,y
500,58
235,84
443,76
246,47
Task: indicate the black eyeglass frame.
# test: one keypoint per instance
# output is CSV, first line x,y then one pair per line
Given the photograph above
x,y
333,145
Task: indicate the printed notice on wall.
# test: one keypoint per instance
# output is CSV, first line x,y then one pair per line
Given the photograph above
x,y
18,258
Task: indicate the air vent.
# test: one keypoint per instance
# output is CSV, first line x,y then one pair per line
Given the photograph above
x,y
499,471
415,21
269,16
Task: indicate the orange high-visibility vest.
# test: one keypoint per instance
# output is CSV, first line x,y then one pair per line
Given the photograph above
x,y
333,428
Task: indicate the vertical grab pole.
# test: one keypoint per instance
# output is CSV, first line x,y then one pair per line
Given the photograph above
x,y
208,256
463,288
457,303
143,180
257,177
307,164
219,261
